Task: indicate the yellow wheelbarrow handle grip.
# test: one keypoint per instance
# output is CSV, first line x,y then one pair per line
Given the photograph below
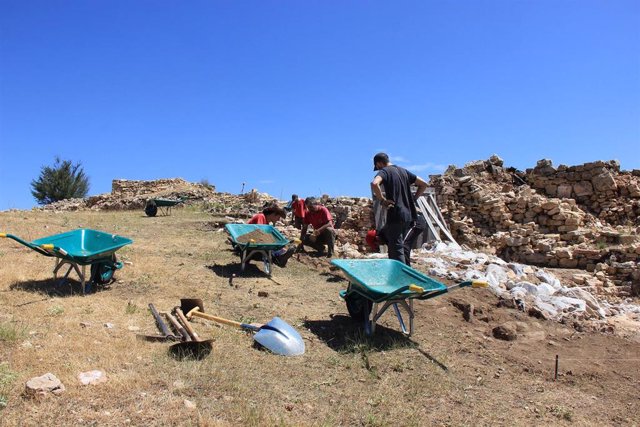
x,y
416,288
51,247
3,234
479,284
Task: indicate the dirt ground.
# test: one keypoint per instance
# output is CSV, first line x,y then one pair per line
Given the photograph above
x,y
450,372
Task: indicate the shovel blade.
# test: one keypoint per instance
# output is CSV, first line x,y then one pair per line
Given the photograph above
x,y
280,338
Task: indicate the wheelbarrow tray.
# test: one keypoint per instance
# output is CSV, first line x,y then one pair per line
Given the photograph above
x,y
387,279
166,202
84,246
237,230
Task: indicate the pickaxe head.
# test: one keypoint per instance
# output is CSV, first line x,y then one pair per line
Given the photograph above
x,y
189,305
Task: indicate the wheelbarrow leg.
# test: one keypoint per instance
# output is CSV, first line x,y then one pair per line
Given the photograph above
x,y
370,321
72,266
56,267
243,260
267,259
409,309
375,314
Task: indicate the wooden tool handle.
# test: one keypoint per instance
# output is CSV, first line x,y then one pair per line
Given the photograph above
x,y
228,322
178,326
186,324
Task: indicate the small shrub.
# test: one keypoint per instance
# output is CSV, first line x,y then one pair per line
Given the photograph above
x,y
7,377
11,332
131,308
56,310
205,183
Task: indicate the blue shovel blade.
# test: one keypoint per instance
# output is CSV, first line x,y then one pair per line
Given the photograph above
x,y
280,338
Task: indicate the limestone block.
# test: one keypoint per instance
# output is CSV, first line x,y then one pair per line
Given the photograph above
x,y
583,188
567,263
563,253
564,191
604,182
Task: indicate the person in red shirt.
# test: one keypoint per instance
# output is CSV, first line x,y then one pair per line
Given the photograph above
x,y
298,208
270,214
318,217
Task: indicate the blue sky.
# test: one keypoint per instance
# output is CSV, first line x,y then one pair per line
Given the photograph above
x,y
297,96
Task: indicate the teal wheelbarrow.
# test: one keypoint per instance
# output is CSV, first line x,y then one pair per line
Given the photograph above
x,y
376,285
78,249
250,249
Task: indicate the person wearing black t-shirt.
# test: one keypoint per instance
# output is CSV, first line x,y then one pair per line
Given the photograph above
x,y
399,202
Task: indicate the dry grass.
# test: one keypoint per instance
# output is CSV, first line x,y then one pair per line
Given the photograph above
x,y
450,372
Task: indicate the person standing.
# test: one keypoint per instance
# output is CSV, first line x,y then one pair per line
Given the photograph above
x,y
399,202
298,209
321,220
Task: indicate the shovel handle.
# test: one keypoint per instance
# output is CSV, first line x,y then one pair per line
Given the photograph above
x,y
186,324
197,313
182,331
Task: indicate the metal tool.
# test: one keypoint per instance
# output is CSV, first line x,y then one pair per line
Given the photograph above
x,y
276,335
166,333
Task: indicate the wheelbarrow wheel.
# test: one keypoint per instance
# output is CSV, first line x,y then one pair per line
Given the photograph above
x,y
102,272
151,209
358,307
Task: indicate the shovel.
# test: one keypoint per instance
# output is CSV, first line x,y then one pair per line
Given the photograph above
x,y
276,335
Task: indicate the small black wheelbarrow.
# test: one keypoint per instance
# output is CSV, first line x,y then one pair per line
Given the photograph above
x,y
152,206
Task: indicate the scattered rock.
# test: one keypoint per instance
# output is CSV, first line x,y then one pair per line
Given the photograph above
x,y
43,385
505,333
92,377
109,325
189,404
263,294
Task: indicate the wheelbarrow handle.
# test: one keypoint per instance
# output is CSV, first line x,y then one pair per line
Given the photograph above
x,y
27,244
50,247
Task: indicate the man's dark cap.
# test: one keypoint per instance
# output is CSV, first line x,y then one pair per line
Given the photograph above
x,y
310,201
380,157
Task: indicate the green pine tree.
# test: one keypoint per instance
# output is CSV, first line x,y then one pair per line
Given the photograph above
x,y
63,180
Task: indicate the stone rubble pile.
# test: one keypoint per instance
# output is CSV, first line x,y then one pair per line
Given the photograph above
x,y
600,188
572,298
130,194
492,208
